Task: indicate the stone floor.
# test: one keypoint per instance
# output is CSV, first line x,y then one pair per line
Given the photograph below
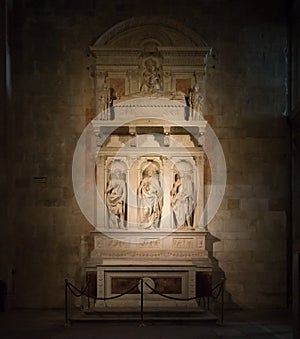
x,y
46,324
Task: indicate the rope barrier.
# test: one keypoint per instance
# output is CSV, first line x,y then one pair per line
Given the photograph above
x,y
70,286
81,292
78,293
220,286
168,296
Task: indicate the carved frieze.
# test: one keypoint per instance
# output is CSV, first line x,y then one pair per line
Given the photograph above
x,y
183,243
173,246
162,255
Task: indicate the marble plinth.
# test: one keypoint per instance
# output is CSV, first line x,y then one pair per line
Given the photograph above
x,y
169,264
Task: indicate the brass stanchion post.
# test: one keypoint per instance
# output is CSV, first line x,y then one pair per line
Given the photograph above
x,y
222,300
66,304
88,292
142,303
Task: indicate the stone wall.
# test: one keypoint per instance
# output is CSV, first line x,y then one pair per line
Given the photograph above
x,y
53,93
3,153
295,126
296,217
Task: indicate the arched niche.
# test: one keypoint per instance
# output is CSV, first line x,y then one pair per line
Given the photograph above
x,y
137,32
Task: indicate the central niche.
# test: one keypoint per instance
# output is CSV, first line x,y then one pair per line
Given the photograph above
x,y
150,194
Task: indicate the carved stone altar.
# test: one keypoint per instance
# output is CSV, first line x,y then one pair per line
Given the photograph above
x,y
150,181
172,261
149,169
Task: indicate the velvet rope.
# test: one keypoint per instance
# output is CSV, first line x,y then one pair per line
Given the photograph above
x,y
169,297
221,288
80,293
72,287
220,285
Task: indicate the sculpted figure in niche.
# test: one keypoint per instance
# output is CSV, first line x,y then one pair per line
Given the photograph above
x,y
183,201
151,77
150,198
106,101
195,99
116,199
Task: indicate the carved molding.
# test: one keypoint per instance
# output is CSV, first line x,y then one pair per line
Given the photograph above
x,y
162,254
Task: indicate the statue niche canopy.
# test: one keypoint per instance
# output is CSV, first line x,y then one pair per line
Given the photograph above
x,y
149,97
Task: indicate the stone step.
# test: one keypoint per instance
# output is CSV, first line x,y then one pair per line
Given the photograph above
x,y
203,316
133,310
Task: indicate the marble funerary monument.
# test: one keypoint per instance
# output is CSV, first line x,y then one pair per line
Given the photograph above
x,y
149,167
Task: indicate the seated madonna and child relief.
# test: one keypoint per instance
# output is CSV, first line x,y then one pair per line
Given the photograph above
x,y
152,82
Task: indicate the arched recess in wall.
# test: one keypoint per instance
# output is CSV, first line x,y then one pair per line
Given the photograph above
x,y
134,31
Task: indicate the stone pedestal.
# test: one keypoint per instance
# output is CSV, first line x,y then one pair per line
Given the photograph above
x,y
168,263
